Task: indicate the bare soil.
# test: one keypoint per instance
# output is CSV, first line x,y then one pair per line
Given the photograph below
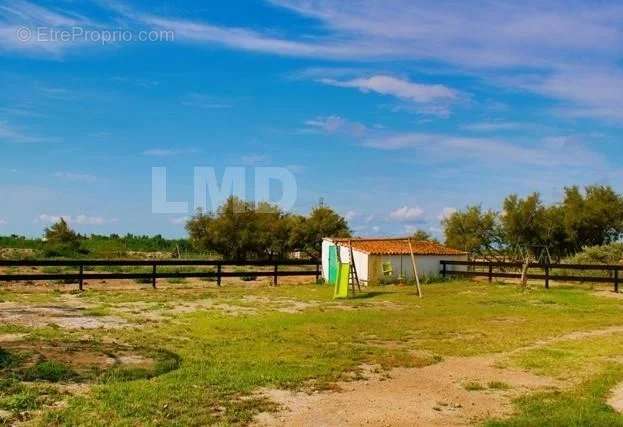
x,y
82,356
456,391
64,315
616,398
432,395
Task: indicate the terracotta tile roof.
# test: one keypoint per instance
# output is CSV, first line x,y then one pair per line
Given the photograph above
x,y
397,246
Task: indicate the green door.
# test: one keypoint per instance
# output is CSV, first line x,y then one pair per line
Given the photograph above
x,y
333,266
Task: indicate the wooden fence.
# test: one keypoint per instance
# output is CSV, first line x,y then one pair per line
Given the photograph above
x,y
493,269
217,269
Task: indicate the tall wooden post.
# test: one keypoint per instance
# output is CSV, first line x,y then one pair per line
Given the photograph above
x,y
546,276
417,279
153,275
616,280
219,268
81,278
275,275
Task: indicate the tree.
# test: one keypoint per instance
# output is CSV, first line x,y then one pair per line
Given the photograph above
x,y
595,218
322,222
472,230
556,238
242,230
61,233
230,231
61,239
421,235
523,221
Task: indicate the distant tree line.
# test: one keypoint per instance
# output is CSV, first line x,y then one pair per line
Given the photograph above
x,y
589,217
244,230
60,240
236,230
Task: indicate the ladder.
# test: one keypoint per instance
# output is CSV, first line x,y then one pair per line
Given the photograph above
x,y
353,278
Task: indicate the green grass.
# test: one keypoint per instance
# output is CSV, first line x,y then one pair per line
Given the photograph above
x,y
220,360
583,405
473,386
498,385
49,370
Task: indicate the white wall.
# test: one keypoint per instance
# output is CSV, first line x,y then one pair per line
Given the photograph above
x,y
427,265
369,267
360,258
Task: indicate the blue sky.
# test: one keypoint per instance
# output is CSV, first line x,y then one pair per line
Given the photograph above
x,y
394,112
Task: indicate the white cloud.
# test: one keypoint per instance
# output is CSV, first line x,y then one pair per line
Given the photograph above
x,y
406,214
335,125
19,14
492,126
78,219
530,33
79,177
392,86
3,221
572,50
12,134
446,213
179,220
552,151
550,39
350,215
588,92
246,39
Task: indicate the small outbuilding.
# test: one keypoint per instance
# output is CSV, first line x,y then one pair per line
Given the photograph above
x,y
387,258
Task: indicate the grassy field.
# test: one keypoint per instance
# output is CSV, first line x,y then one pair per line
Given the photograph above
x,y
197,355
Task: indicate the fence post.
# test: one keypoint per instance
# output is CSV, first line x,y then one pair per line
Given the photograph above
x,y
444,269
275,274
153,275
490,272
546,276
616,280
81,278
218,274
317,272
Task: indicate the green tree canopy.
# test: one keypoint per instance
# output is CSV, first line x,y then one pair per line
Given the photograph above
x,y
422,235
472,230
61,240
523,220
242,230
322,222
592,218
60,233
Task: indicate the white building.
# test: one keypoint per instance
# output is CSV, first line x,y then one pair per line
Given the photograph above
x,y
389,258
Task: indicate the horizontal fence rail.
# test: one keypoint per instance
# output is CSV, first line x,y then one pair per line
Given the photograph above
x,y
80,275
492,270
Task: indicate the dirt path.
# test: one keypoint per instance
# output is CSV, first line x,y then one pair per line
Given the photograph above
x,y
456,391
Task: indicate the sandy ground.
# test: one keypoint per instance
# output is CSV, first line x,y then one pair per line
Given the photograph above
x,y
435,395
70,311
616,398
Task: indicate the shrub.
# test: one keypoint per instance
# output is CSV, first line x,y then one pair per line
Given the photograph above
x,y
606,254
